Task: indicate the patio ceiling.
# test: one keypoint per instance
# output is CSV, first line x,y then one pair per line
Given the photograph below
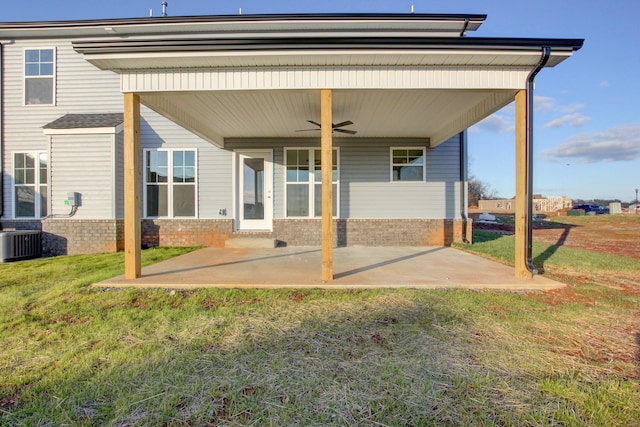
x,y
403,113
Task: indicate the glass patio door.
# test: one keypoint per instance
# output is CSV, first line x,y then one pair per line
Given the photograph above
x,y
255,188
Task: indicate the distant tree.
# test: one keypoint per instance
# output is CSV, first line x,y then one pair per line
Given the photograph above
x,y
478,190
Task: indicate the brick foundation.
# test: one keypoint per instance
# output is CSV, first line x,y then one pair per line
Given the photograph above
x,y
89,236
17,224
69,236
186,232
373,232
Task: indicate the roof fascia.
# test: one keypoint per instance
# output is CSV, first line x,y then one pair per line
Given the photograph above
x,y
239,23
320,43
84,130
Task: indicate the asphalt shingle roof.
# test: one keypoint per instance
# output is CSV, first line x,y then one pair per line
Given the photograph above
x,y
82,121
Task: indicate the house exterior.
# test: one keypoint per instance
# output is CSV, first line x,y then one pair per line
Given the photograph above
x,y
307,129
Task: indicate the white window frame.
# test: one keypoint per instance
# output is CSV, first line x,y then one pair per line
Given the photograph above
x,y
53,76
312,182
36,184
424,164
170,184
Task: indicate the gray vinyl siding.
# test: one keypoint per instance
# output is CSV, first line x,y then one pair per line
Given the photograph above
x,y
214,181
80,88
84,164
365,187
366,191
119,175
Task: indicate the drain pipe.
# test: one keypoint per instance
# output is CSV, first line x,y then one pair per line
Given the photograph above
x,y
1,130
464,189
463,33
546,53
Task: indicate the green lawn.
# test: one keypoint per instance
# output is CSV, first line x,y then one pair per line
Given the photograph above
x,y
552,257
71,354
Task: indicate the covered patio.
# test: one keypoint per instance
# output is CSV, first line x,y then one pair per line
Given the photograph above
x,y
355,267
417,77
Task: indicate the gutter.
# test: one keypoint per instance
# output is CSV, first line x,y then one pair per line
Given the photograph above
x,y
546,53
1,129
299,42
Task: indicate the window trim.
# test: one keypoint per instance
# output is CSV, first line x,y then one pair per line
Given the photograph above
x,y
169,183
36,185
311,183
54,76
424,164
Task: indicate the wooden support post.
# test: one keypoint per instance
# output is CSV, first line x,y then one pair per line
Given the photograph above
x,y
326,120
522,193
132,250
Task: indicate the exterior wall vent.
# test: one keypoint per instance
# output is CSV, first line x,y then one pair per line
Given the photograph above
x,y
19,245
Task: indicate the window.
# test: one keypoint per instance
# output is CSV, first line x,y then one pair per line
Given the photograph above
x,y
304,183
170,183
407,164
39,73
30,185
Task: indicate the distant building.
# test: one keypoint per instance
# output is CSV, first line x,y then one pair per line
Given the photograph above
x,y
540,204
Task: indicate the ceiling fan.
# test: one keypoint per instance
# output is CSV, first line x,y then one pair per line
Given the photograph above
x,y
336,127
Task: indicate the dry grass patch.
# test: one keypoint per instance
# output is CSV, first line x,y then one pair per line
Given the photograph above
x,y
80,356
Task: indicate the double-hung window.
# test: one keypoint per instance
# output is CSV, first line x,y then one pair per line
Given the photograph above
x,y
170,183
407,164
304,182
30,185
39,76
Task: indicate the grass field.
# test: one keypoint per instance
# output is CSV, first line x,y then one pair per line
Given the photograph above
x,y
71,354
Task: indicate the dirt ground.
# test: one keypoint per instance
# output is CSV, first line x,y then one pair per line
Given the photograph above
x,y
597,340
613,234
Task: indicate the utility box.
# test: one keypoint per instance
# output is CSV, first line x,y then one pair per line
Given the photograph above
x,y
615,208
73,199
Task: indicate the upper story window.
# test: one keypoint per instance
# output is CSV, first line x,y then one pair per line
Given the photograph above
x,y
408,164
170,183
39,76
30,185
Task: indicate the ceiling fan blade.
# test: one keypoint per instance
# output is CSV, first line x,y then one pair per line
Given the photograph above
x,y
346,123
350,132
314,123
306,130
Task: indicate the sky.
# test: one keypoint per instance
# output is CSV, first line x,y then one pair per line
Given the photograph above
x,y
586,110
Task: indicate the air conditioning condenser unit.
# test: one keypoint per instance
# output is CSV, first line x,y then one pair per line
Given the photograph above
x,y
20,245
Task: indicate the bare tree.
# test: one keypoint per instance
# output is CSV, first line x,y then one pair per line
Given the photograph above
x,y
478,190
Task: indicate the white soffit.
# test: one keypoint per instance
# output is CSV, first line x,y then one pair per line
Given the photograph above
x,y
437,57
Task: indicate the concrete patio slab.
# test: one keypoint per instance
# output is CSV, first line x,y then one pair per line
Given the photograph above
x,y
354,268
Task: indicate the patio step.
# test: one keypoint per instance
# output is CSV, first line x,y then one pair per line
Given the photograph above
x,y
250,242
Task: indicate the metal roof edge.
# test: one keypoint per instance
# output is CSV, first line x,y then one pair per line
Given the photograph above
x,y
238,18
